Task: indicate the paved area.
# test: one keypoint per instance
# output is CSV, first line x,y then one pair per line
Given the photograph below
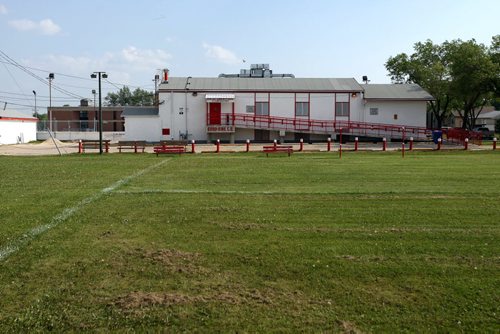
x,y
48,147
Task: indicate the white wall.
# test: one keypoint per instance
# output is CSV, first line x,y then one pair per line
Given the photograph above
x,y
412,113
146,128
17,131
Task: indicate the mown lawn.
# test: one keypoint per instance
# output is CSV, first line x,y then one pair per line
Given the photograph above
x,y
241,242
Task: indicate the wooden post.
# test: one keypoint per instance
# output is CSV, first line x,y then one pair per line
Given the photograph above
x,y
192,146
329,144
217,146
411,143
301,147
248,146
466,143
80,146
384,144
439,144
356,139
494,143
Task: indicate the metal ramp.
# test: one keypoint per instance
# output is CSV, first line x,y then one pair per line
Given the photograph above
x,y
327,127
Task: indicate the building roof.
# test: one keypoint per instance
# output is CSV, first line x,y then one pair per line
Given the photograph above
x,y
494,114
11,114
140,111
262,84
396,92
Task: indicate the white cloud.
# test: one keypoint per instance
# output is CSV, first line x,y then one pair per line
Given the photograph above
x,y
45,27
3,9
145,59
221,54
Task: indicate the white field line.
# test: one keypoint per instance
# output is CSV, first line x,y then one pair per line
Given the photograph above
x,y
20,242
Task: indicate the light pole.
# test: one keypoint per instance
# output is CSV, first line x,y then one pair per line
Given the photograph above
x,y
104,76
36,113
51,77
95,114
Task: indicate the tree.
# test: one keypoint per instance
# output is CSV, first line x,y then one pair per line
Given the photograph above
x,y
428,68
124,97
474,77
462,76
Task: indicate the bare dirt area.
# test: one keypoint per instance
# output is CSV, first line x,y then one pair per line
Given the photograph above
x,y
48,147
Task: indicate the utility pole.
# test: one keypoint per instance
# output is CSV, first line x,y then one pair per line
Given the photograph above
x,y
51,77
36,113
104,76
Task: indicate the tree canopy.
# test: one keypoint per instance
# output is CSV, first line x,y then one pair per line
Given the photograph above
x,y
461,75
124,97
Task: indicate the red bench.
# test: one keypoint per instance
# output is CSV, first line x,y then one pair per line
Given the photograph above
x,y
277,149
169,149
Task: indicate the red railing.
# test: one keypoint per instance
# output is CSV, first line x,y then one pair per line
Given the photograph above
x,y
458,136
325,126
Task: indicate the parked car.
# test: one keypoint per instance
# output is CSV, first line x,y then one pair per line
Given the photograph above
x,y
487,133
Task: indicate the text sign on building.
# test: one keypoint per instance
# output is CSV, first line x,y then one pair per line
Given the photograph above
x,y
220,128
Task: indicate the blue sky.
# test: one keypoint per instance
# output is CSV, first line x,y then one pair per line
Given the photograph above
x,y
131,40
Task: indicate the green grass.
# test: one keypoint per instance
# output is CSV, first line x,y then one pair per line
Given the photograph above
x,y
241,242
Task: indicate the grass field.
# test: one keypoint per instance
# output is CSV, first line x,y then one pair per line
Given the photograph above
x,y
241,242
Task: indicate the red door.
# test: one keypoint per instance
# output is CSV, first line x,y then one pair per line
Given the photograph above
x,y
214,114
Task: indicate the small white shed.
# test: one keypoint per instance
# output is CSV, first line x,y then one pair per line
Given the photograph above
x,y
16,127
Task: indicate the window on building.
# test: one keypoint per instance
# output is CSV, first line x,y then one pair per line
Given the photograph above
x,y
395,116
84,115
373,111
342,109
250,109
301,109
262,108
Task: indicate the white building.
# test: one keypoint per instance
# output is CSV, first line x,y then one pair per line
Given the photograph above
x,y
16,128
287,108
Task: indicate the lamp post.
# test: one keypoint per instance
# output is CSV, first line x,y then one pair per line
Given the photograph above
x,y
95,114
51,77
36,113
104,76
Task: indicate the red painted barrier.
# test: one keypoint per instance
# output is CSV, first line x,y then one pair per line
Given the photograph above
x,y
80,147
494,143
275,142
384,144
329,144
248,146
466,143
192,146
356,139
439,144
218,146
411,144
301,147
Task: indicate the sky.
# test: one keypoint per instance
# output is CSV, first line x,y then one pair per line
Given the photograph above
x,y
133,40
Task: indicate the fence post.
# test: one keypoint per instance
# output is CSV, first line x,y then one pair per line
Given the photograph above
x,y
301,145
248,146
275,142
329,144
384,144
494,143
466,143
411,143
439,144
217,146
80,147
340,144
192,146
356,139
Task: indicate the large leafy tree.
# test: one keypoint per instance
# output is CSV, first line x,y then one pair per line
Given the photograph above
x,y
474,75
427,67
461,76
124,97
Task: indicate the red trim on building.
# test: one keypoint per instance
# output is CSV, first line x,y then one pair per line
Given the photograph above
x,y
18,119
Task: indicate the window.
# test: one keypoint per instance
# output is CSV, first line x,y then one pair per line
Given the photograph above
x,y
250,109
373,111
301,109
262,108
395,116
342,109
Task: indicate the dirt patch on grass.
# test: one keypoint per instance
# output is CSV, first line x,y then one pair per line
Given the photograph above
x,y
175,260
348,327
138,299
